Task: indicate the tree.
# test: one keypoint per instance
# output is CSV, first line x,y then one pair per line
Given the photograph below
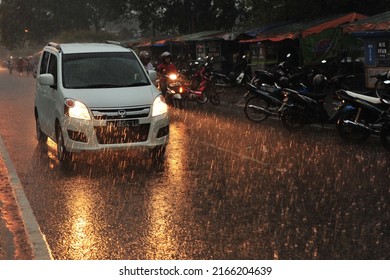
x,y
186,16
266,11
37,20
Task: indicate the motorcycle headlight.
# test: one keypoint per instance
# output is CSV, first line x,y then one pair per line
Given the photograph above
x,y
173,77
76,109
159,107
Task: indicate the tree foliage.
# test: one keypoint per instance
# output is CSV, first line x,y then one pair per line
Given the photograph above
x,y
37,20
265,11
186,16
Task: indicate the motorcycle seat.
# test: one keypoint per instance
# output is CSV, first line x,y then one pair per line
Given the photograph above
x,y
263,72
373,100
315,96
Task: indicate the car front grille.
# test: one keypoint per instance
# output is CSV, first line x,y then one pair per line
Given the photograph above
x,y
121,113
122,135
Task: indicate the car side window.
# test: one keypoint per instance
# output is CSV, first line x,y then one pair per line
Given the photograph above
x,y
53,67
44,63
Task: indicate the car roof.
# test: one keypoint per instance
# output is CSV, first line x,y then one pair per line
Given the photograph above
x,y
69,48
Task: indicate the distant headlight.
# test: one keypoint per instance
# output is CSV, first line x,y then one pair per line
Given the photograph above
x,y
159,106
76,109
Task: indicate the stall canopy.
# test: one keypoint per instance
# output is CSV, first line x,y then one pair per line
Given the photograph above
x,y
177,40
303,29
374,25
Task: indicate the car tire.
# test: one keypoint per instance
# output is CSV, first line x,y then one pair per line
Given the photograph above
x,y
62,154
41,136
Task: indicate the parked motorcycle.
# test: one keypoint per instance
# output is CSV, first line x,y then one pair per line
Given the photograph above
x,y
264,101
272,77
267,100
382,84
319,106
237,77
362,116
385,129
198,83
286,75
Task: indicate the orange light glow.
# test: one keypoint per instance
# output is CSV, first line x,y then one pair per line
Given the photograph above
x,y
162,238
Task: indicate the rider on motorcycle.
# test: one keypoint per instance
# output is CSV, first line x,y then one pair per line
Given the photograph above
x,y
145,58
165,68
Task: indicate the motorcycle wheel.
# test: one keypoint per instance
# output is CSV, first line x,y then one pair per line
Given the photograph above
x,y
381,89
290,120
213,94
218,89
385,135
178,103
350,134
252,111
202,100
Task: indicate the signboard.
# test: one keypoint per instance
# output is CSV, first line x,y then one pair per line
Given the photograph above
x,y
370,54
383,53
213,48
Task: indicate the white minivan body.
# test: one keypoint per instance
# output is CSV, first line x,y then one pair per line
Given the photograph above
x,y
96,97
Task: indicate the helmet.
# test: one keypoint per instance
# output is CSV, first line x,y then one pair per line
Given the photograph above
x,y
165,55
319,82
145,58
283,81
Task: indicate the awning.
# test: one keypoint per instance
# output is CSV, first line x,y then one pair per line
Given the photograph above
x,y
380,22
303,29
349,18
200,36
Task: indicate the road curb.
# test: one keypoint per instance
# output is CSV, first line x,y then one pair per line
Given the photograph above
x,y
37,240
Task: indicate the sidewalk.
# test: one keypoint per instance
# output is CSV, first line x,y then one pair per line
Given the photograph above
x,y
20,235
14,243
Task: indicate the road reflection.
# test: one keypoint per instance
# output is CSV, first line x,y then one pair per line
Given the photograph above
x,y
82,240
167,197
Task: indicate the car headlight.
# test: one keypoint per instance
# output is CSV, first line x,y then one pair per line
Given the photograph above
x,y
159,106
76,109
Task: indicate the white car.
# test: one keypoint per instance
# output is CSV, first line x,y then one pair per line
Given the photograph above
x,y
97,97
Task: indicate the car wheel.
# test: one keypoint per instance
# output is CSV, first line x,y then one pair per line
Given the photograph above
x,y
41,137
62,153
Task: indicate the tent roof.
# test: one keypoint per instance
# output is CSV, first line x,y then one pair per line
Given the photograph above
x,y
380,22
304,29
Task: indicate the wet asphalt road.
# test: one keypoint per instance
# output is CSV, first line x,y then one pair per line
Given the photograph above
x,y
228,190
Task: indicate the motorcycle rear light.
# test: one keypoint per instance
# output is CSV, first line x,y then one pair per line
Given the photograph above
x,y
181,90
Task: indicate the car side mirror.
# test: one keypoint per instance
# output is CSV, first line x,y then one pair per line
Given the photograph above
x,y
152,75
46,80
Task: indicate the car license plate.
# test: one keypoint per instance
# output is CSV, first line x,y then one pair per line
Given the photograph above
x,y
123,123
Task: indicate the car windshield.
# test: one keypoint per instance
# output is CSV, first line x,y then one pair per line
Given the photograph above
x,y
102,70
